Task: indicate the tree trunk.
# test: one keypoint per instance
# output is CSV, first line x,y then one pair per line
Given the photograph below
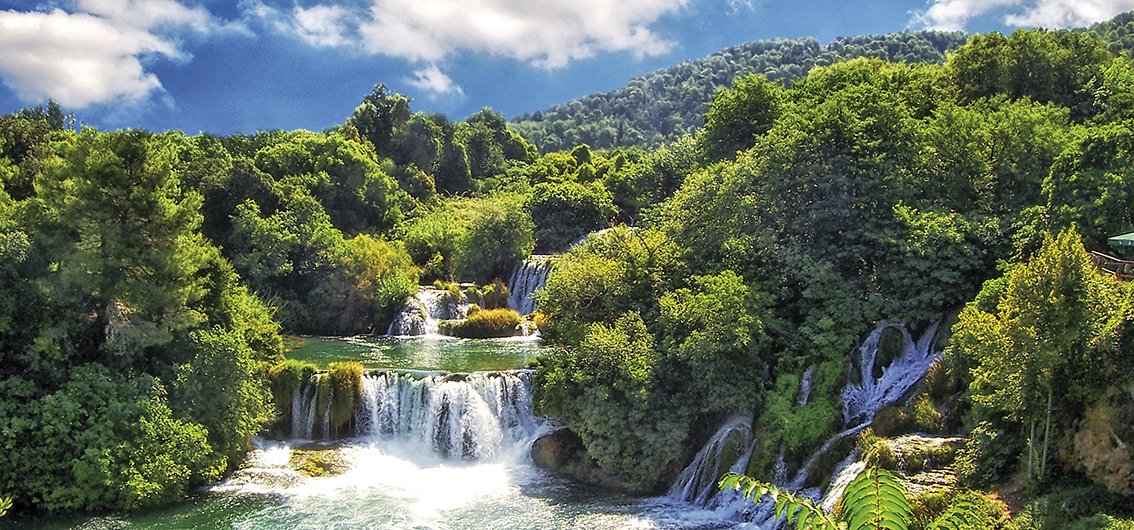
x,y
1046,434
1031,449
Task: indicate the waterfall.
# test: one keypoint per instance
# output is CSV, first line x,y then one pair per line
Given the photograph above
x,y
729,449
528,277
845,472
862,401
420,314
467,416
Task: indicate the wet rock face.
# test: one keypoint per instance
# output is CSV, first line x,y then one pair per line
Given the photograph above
x,y
1104,445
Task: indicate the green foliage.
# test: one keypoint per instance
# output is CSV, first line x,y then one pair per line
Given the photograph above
x,y
379,115
875,499
1072,505
102,440
793,509
223,388
967,510
485,323
610,274
5,505
345,381
740,113
602,390
565,212
433,237
499,235
987,457
1044,335
665,105
1045,66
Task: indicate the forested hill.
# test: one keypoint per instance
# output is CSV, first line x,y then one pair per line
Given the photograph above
x,y
662,106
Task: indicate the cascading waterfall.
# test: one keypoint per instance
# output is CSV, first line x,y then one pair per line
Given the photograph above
x,y
845,472
527,278
420,315
861,402
729,449
468,416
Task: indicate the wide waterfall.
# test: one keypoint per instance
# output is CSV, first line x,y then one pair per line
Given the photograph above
x,y
862,400
467,416
420,315
527,278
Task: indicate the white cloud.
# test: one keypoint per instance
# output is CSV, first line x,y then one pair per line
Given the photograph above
x,y
432,80
96,52
546,33
954,15
1069,13
323,25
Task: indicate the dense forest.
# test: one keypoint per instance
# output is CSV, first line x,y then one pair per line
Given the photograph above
x,y
662,106
147,277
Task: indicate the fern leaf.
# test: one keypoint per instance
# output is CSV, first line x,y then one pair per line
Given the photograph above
x,y
794,510
875,500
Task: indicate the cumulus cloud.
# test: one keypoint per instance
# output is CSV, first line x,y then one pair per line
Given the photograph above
x,y
96,51
545,33
954,15
432,80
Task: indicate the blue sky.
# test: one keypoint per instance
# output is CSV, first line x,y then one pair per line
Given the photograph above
x,y
227,66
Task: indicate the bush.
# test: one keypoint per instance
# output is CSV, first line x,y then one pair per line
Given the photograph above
x,y
286,378
345,380
483,324
987,457
564,212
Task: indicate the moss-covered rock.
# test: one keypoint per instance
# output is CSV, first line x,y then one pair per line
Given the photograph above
x,y
344,380
318,462
563,452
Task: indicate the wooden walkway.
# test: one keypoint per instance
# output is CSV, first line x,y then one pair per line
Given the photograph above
x,y
1119,268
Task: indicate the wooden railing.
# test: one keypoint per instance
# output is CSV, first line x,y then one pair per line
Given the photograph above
x,y
1119,268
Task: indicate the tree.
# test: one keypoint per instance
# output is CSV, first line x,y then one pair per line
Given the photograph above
x,y
379,117
565,212
737,115
498,237
1035,357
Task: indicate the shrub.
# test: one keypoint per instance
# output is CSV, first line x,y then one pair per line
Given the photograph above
x,y
286,378
988,455
486,323
345,380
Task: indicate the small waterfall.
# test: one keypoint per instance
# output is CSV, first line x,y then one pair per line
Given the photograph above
x,y
845,472
527,278
862,401
729,449
467,416
420,314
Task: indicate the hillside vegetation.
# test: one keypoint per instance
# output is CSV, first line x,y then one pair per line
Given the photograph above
x,y
146,277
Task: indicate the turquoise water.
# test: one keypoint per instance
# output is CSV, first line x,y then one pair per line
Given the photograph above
x,y
391,483
386,488
425,353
